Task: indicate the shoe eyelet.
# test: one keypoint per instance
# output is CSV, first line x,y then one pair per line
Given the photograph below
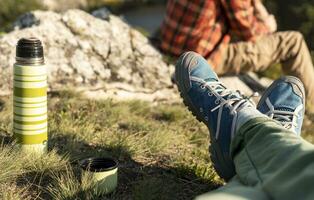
x,y
206,118
210,94
202,87
217,101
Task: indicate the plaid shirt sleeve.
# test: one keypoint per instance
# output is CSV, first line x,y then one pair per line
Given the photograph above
x,y
243,19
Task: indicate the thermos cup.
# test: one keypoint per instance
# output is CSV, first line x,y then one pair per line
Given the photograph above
x,y
30,97
103,172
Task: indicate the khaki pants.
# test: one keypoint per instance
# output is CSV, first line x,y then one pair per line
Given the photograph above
x,y
271,163
287,48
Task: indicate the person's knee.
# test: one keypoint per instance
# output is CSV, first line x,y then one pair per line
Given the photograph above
x,y
293,43
297,36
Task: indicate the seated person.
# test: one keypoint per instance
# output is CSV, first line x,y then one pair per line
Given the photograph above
x,y
236,36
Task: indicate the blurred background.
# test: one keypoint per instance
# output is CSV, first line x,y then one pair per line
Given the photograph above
x,y
146,15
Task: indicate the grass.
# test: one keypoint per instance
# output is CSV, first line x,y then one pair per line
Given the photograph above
x,y
162,151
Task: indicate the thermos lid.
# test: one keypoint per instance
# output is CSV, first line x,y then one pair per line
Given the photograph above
x,y
29,48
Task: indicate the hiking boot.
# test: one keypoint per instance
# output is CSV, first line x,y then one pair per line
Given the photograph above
x,y
216,106
284,101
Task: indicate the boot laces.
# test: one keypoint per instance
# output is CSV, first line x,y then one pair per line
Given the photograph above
x,y
229,98
286,118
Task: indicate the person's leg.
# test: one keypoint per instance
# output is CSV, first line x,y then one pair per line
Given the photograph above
x,y
267,157
287,48
270,157
270,160
283,101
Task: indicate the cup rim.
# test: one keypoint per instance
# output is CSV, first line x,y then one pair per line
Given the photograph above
x,y
87,164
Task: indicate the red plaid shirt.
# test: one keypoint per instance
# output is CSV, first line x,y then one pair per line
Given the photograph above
x,y
204,26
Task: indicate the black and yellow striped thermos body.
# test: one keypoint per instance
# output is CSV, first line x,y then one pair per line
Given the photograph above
x,y
30,97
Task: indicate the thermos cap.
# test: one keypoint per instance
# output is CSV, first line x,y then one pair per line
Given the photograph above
x,y
29,51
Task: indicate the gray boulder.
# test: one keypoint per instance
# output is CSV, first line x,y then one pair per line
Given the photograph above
x,y
90,54
100,56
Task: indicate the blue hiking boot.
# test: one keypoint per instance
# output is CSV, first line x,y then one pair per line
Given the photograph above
x,y
284,102
212,103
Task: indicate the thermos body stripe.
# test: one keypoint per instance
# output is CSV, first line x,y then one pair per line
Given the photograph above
x,y
30,111
27,119
29,78
17,115
31,85
30,100
30,104
30,122
30,132
31,139
38,70
30,92
30,127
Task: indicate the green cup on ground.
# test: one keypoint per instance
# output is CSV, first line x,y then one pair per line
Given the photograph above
x,y
103,172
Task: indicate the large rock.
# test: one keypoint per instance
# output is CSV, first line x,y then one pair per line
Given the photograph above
x,y
90,54
103,57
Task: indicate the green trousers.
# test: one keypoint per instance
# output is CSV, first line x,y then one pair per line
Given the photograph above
x,y
271,163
